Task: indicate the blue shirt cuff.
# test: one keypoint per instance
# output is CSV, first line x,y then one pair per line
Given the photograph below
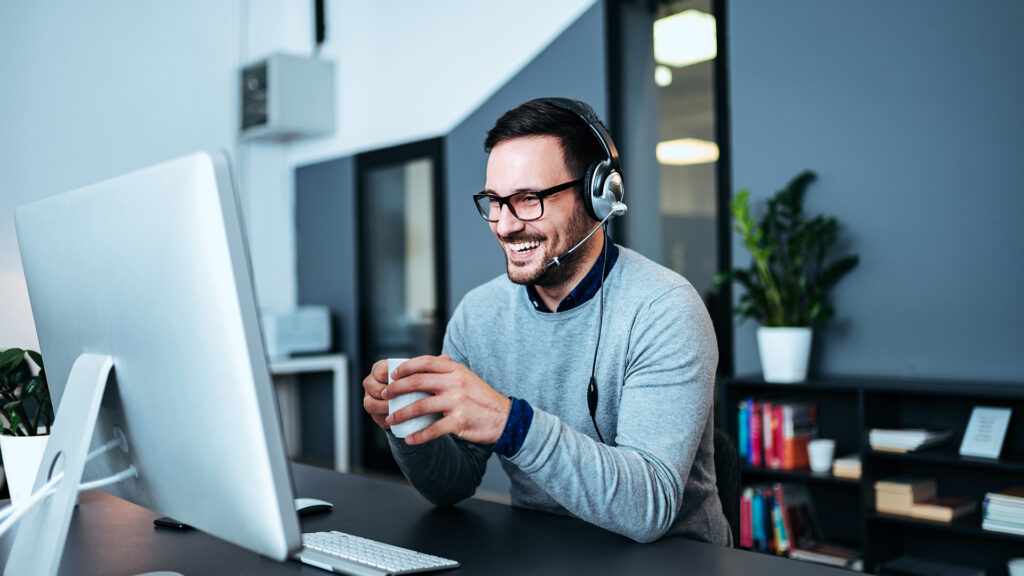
x,y
520,416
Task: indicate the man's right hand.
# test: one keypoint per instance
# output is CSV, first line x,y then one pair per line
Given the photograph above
x,y
373,385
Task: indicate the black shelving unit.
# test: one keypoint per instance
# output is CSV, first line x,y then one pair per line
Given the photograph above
x,y
848,408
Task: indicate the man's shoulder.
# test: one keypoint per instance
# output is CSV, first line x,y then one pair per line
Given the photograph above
x,y
644,276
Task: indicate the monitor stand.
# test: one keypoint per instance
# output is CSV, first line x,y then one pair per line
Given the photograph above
x,y
39,543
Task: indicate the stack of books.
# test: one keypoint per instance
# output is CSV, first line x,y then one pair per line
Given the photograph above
x,y
906,440
847,467
774,434
916,497
779,519
1004,511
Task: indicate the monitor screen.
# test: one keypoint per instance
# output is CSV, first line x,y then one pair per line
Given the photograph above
x,y
151,269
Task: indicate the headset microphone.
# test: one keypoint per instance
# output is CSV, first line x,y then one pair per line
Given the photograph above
x,y
617,210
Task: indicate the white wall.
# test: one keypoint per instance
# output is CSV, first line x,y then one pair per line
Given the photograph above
x,y
92,90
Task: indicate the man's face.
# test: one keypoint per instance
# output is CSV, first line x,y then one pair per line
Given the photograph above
x,y
532,164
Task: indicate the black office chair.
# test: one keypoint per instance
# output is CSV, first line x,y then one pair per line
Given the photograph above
x,y
727,478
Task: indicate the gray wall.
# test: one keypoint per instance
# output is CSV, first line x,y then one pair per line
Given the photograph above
x,y
572,66
911,114
326,267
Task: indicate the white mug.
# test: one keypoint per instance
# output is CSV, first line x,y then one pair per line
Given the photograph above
x,y
397,403
820,453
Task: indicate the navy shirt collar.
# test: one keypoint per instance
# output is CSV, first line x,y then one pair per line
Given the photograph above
x,y
587,287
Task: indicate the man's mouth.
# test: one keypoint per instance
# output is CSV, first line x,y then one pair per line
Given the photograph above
x,y
523,250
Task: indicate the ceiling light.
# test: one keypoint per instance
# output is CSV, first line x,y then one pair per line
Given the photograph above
x,y
685,38
686,151
662,76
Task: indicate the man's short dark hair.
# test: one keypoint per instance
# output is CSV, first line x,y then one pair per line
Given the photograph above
x,y
579,143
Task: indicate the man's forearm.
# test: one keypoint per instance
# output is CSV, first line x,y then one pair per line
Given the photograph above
x,y
445,471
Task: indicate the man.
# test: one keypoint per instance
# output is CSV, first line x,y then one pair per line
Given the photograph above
x,y
520,350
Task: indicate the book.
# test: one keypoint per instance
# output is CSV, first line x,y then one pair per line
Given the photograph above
x,y
943,509
920,487
907,439
1005,527
756,444
847,467
743,419
746,533
893,502
799,421
830,554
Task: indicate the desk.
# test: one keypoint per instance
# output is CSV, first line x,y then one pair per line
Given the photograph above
x,y
337,364
111,536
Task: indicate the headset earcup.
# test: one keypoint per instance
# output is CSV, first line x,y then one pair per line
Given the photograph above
x,y
590,188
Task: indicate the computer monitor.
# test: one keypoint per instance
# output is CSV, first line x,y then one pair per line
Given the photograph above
x,y
150,272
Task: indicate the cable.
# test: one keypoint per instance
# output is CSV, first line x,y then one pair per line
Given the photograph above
x,y
129,472
18,511
592,387
11,513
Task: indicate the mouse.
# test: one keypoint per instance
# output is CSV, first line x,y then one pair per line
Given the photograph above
x,y
311,505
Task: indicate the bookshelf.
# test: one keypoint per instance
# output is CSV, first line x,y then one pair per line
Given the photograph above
x,y
848,408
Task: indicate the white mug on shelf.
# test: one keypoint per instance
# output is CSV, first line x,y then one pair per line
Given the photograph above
x,y
820,452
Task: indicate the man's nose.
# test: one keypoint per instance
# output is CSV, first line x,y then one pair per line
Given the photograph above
x,y
507,222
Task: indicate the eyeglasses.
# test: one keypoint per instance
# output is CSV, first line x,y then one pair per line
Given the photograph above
x,y
525,206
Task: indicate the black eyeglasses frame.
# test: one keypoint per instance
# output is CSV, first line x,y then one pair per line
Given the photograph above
x,y
507,200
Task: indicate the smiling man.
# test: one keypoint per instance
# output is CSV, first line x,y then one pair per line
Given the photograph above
x,y
600,414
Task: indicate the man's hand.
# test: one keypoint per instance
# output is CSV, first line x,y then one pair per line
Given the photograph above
x,y
472,410
373,385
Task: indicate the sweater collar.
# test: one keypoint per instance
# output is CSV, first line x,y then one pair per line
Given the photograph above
x,y
586,289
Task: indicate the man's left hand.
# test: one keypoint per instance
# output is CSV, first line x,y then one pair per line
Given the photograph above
x,y
471,409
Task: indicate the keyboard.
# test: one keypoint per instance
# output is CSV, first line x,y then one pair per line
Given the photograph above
x,y
346,554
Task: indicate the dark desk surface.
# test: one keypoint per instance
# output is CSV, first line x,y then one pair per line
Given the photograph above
x,y
112,537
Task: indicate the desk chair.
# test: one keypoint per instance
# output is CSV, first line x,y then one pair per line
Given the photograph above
x,y
727,478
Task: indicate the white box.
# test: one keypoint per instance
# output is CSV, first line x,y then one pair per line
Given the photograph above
x,y
285,97
306,329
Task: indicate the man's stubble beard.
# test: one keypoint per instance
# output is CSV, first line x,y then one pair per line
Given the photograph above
x,y
579,226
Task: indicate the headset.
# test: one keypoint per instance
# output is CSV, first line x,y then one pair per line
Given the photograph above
x,y
603,189
602,182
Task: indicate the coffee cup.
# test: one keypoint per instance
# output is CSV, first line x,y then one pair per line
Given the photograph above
x,y
820,452
395,404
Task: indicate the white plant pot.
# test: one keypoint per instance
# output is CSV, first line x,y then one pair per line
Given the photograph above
x,y
785,353
22,455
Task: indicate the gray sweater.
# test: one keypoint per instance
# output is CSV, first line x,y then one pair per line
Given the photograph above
x,y
655,373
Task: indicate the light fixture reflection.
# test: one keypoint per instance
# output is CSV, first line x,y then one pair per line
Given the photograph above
x,y
685,38
686,151
662,76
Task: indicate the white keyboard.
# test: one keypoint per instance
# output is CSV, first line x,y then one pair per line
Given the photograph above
x,y
347,554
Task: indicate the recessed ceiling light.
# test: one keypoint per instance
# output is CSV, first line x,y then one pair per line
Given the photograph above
x,y
685,38
686,151
662,76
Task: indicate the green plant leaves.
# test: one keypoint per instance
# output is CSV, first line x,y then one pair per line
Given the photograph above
x,y
788,280
25,397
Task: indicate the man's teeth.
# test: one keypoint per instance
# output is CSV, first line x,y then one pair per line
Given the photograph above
x,y
524,246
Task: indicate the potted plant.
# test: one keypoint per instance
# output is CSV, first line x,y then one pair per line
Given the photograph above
x,y
26,415
787,283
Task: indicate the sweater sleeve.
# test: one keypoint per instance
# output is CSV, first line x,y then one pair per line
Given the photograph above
x,y
635,488
447,469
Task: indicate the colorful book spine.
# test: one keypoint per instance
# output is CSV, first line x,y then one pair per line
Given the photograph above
x,y
757,521
743,419
755,434
746,521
